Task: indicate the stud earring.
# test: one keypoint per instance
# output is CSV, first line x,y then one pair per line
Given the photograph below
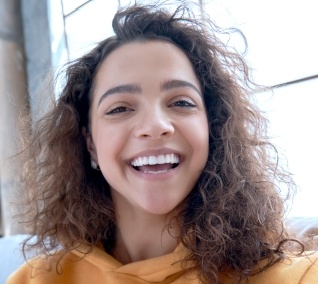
x,y
94,165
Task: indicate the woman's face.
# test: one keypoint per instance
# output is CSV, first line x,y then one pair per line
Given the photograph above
x,y
148,126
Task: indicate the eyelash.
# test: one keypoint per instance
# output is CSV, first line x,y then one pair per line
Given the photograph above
x,y
118,110
184,104
180,103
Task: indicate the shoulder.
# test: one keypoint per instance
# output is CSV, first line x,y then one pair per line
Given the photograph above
x,y
34,271
62,267
303,269
292,270
22,275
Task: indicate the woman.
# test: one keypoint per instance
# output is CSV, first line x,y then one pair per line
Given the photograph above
x,y
153,166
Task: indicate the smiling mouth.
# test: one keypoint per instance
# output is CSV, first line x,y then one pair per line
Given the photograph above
x,y
156,164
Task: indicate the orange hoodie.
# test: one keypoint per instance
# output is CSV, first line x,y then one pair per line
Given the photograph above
x,y
99,268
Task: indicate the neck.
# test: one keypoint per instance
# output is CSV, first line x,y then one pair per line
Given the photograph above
x,y
142,236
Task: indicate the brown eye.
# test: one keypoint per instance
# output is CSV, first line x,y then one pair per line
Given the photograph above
x,y
118,110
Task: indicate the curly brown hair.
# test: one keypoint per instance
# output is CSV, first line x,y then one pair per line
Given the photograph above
x,y
234,212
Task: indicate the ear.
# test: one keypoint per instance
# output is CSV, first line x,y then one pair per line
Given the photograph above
x,y
90,144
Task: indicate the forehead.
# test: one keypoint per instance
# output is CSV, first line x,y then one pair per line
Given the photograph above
x,y
133,61
146,48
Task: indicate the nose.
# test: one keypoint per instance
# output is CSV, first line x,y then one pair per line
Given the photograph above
x,y
154,124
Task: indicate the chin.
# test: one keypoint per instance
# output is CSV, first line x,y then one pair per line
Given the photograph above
x,y
163,208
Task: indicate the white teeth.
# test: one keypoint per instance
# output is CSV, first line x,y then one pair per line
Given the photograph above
x,y
161,159
158,172
154,160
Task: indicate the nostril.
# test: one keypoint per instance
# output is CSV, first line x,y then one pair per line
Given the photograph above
x,y
166,133
154,128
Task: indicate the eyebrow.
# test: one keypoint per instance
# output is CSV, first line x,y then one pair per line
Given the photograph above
x,y
136,89
126,88
173,84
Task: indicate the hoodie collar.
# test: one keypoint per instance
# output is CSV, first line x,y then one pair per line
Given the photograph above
x,y
151,270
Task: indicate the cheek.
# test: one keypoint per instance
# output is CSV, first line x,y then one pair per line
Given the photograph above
x,y
102,144
199,132
202,134
109,142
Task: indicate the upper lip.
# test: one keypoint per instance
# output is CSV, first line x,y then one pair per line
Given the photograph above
x,y
156,152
